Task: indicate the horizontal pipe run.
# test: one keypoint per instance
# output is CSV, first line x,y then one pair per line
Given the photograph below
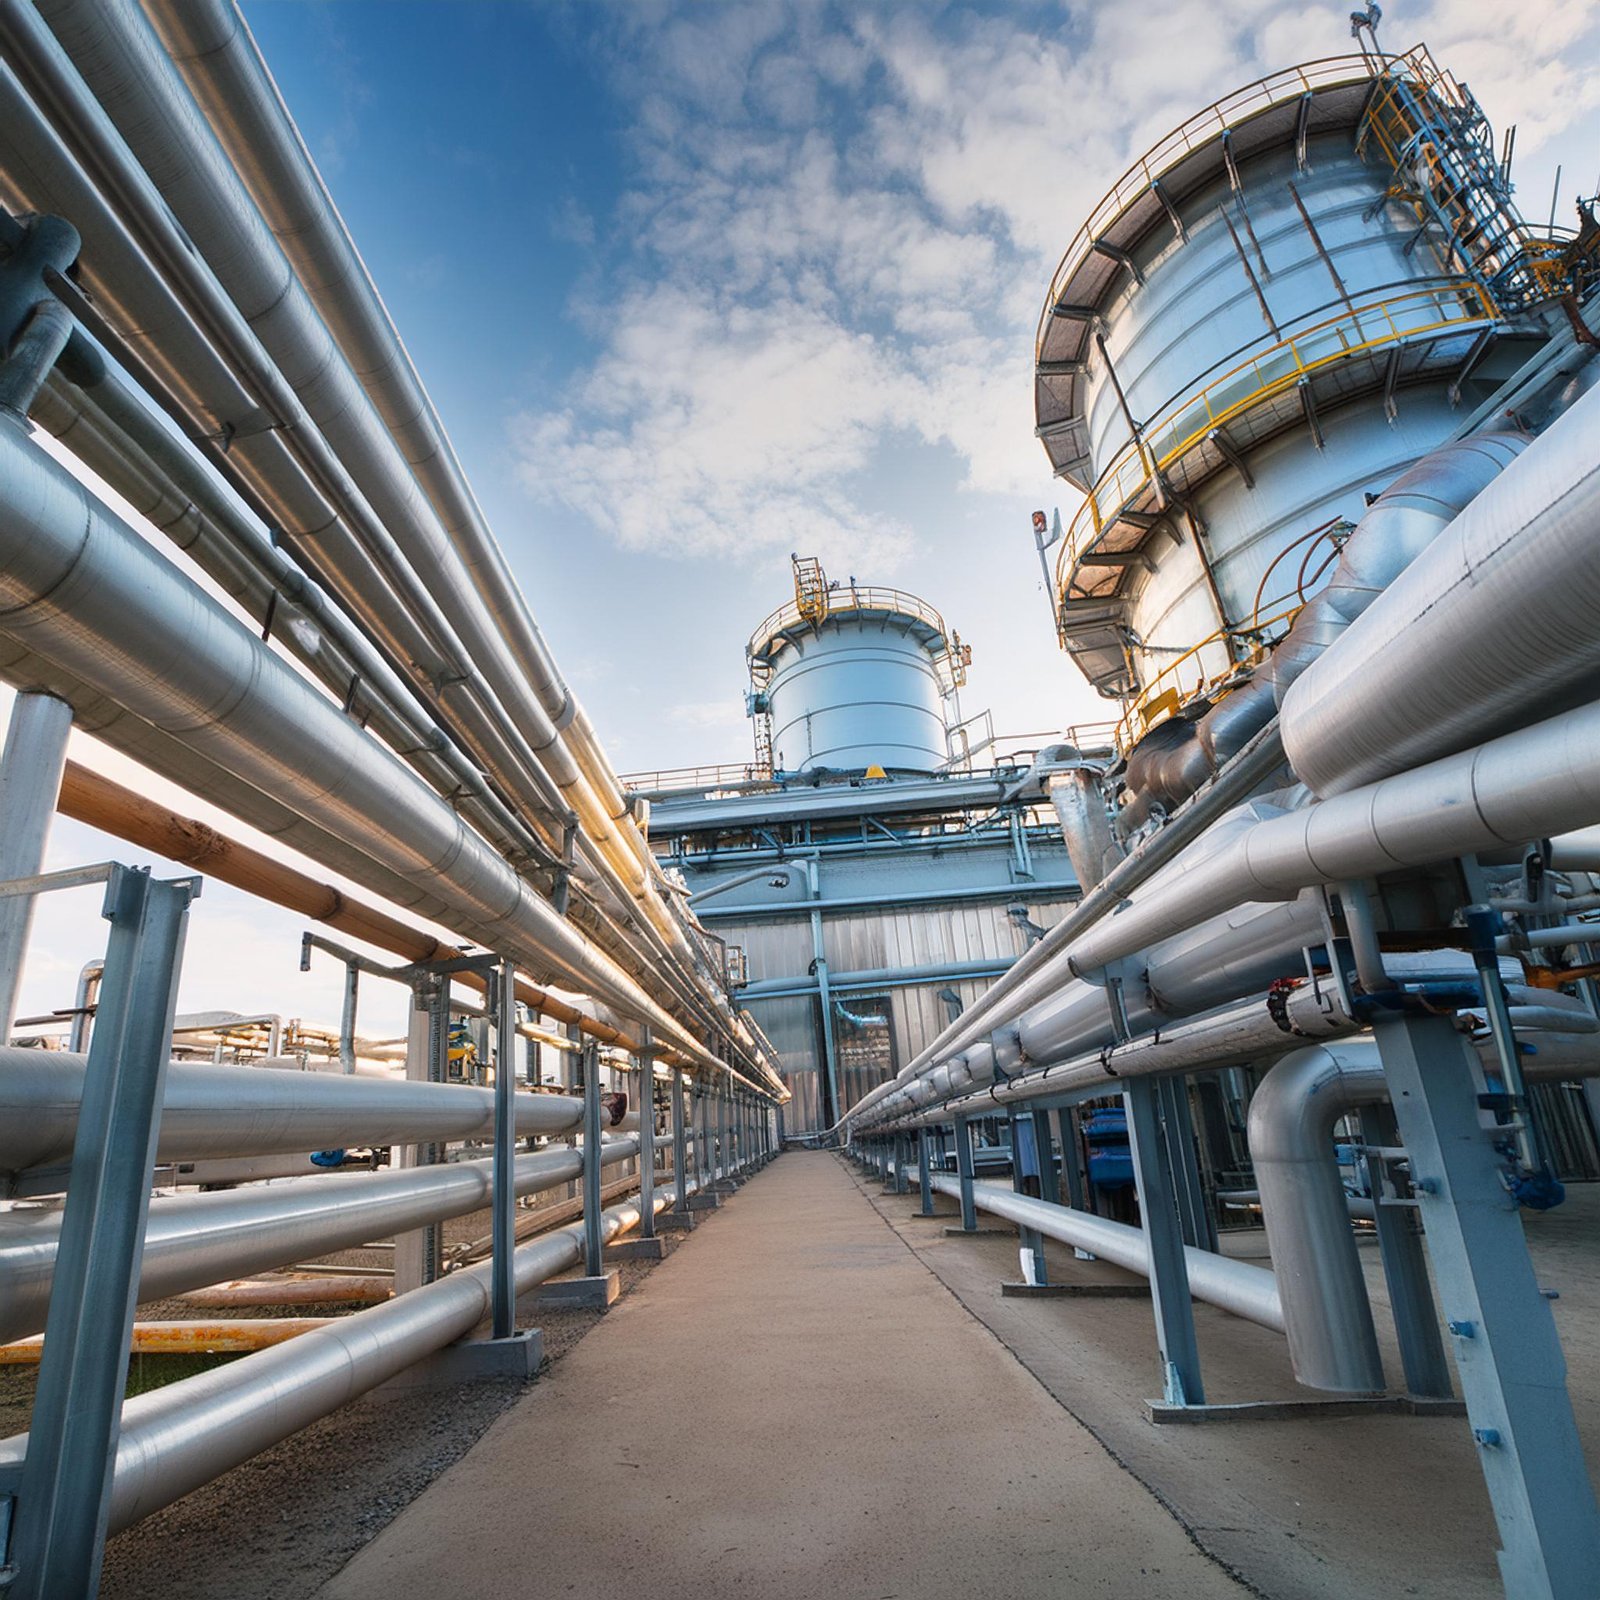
x,y
212,1111
177,1438
1241,778
229,1335
1236,1286
88,797
193,1240
143,635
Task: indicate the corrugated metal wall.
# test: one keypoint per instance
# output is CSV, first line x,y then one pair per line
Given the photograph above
x,y
896,939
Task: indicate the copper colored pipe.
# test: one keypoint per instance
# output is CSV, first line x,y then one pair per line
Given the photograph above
x,y
88,797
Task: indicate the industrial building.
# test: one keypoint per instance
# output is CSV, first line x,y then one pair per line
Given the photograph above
x,y
1241,1046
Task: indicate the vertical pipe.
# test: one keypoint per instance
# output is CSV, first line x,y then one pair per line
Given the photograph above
x,y
83,1006
504,1236
31,765
819,961
593,1232
347,1018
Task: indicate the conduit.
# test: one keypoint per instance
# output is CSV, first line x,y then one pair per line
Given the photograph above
x,y
213,1111
84,590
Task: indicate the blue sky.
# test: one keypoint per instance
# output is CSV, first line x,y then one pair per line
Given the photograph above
x,y
696,285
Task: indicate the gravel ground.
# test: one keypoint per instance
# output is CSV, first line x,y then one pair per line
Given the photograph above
x,y
277,1527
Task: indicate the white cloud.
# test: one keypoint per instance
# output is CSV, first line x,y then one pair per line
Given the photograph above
x,y
842,227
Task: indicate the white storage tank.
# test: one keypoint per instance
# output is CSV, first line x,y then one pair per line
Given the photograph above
x,y
850,678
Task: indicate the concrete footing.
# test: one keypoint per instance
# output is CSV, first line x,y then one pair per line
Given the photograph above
x,y
704,1201
1076,1291
578,1293
1379,1405
520,1356
657,1249
981,1233
676,1222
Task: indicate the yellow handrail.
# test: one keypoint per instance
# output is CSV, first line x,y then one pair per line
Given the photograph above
x,y
1277,367
1159,698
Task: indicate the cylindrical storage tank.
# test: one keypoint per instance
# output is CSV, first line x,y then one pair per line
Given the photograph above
x,y
859,683
1251,336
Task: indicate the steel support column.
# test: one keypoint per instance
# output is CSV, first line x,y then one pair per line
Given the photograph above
x,y
504,1235
680,1145
31,765
1513,1373
64,1493
924,1175
1026,1163
1079,1195
969,1209
1405,1268
1163,1232
647,1135
593,1237
1177,1134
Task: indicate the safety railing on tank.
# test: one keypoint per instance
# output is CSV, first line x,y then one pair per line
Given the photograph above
x,y
845,598
729,775
1277,88
1185,422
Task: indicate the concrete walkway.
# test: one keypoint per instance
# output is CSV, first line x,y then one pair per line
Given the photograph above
x,y
791,1406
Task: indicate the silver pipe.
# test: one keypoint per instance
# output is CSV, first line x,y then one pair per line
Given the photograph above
x,y
999,1001
197,1239
179,1437
212,1111
84,1001
1236,1286
1293,1113
1496,617
443,662
31,765
213,50
84,590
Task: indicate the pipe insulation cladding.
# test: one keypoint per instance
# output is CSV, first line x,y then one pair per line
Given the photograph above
x,y
211,1111
192,1240
1495,617
179,1437
79,587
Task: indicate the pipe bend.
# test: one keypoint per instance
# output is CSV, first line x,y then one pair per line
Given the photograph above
x,y
1294,1108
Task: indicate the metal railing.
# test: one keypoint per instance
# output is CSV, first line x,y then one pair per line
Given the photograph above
x,y
1186,421
859,598
1276,89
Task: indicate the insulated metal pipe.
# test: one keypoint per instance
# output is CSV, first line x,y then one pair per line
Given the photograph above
x,y
107,247
214,1110
82,588
1293,1113
181,1436
1243,776
192,1240
30,776
89,797
1497,616
1235,1286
